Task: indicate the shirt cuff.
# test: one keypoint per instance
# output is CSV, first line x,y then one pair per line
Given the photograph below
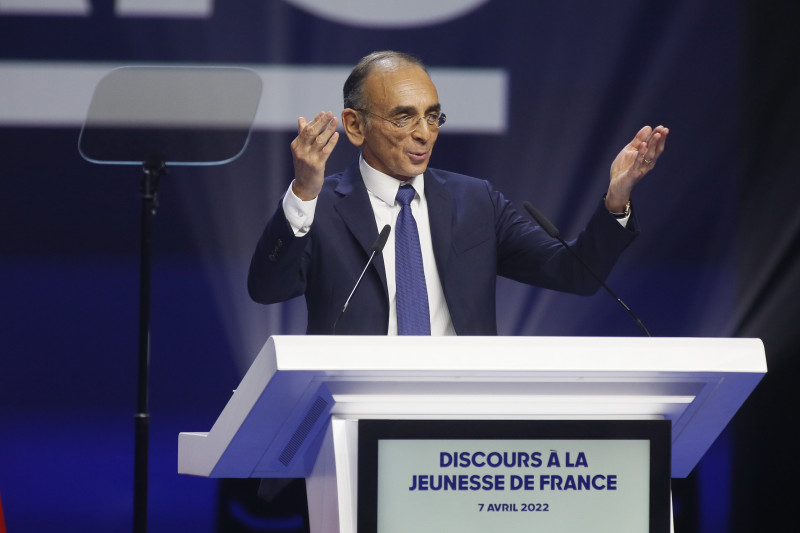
x,y
299,213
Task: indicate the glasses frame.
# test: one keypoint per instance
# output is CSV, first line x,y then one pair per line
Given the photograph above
x,y
439,121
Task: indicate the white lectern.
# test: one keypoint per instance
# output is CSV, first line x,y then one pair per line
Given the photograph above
x,y
296,412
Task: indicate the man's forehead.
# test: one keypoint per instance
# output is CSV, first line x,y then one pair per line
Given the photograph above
x,y
404,85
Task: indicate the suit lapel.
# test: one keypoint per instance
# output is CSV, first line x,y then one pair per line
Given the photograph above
x,y
356,212
440,215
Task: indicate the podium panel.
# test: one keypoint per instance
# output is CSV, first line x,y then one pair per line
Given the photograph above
x,y
514,476
296,411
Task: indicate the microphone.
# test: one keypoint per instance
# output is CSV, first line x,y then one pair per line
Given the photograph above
x,y
377,248
551,230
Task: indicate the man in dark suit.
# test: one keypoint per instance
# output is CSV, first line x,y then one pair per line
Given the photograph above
x,y
465,233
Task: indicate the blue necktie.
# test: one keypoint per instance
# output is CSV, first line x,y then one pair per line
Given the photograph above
x,y
413,316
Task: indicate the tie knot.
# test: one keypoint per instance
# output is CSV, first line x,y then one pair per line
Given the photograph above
x,y
405,194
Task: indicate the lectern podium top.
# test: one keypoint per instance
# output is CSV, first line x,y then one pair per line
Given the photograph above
x,y
517,354
273,422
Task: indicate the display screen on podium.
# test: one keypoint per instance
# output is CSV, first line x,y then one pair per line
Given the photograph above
x,y
512,476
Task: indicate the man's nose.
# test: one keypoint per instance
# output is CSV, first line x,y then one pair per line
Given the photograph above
x,y
422,131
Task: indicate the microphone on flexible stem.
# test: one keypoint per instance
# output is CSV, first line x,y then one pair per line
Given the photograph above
x,y
377,248
551,230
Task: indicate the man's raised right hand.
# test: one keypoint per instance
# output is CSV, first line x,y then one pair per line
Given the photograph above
x,y
311,148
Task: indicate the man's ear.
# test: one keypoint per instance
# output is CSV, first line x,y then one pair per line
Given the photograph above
x,y
353,126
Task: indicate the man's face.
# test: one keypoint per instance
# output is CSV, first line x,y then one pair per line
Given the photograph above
x,y
392,94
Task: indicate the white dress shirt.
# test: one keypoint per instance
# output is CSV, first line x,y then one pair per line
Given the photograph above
x,y
382,190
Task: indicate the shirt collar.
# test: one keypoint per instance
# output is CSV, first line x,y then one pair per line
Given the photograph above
x,y
384,186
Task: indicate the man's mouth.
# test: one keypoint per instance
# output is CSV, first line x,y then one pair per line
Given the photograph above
x,y
418,156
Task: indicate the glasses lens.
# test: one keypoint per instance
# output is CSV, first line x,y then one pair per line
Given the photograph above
x,y
434,120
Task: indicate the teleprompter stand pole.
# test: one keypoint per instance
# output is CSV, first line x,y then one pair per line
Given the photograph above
x,y
153,170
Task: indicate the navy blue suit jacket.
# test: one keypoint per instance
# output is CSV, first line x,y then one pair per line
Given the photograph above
x,y
477,235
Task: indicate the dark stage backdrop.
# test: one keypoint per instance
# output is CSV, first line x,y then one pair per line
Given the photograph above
x,y
540,96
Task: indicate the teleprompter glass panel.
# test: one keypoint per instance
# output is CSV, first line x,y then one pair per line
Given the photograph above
x,y
175,115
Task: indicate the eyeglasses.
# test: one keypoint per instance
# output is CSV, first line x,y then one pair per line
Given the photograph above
x,y
409,123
